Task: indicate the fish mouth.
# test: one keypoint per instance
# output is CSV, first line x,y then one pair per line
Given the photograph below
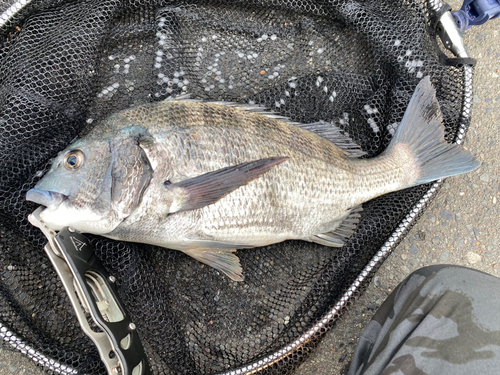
x,y
49,199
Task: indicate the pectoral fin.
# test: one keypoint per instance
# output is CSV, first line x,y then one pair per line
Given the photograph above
x,y
221,259
208,188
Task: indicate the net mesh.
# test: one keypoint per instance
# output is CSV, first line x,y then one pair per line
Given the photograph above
x,y
66,65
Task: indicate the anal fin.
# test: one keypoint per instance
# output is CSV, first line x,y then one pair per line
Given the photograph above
x,y
344,230
222,260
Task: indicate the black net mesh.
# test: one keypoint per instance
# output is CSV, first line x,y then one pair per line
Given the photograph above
x,y
66,65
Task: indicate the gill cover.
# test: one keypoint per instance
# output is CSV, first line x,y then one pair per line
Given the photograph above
x,y
131,171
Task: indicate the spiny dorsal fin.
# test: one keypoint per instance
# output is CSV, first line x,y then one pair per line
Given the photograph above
x,y
334,135
180,97
323,129
257,109
244,107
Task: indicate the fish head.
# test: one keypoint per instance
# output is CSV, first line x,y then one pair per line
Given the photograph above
x,y
97,182
76,191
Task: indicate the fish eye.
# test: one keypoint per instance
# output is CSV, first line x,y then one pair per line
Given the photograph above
x,y
74,159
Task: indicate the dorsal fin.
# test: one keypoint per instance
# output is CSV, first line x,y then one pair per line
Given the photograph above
x,y
257,109
244,107
334,135
323,129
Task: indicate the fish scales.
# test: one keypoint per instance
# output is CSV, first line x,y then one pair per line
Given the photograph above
x,y
317,170
208,178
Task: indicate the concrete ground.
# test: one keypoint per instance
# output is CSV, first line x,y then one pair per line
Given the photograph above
x,y
460,226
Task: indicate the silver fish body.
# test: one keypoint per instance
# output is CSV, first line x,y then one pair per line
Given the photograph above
x,y
146,175
303,196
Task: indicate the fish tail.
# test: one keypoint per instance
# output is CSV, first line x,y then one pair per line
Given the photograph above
x,y
421,132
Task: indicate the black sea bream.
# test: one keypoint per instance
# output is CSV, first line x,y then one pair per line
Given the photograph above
x,y
208,178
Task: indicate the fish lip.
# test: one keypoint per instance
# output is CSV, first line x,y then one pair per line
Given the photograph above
x,y
49,199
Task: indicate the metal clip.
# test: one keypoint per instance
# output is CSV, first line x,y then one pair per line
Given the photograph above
x,y
450,35
91,289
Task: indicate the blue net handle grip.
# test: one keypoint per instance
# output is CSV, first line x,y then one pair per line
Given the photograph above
x,y
476,12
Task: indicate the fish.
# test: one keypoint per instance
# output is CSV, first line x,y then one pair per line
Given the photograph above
x,y
209,179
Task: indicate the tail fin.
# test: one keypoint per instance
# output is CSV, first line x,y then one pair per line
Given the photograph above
x,y
422,130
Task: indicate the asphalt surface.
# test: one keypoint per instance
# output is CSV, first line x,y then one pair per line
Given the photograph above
x,y
459,227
